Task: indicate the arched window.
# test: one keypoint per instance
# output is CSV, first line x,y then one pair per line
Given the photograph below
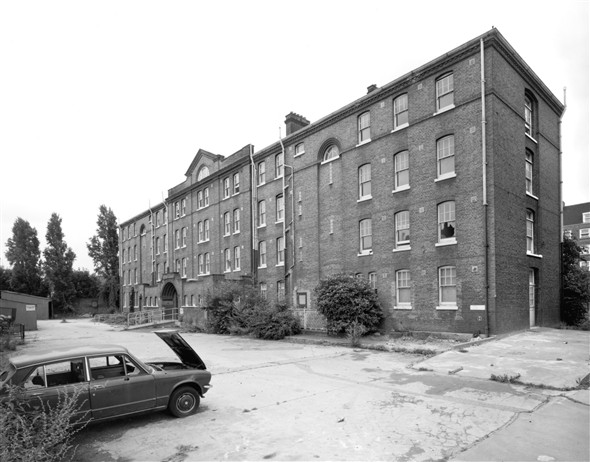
x,y
203,173
529,115
331,152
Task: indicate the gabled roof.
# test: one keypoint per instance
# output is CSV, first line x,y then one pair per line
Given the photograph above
x,y
200,154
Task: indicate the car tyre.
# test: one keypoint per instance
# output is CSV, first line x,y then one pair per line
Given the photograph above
x,y
184,401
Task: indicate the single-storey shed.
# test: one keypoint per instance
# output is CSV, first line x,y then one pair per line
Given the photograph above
x,y
25,309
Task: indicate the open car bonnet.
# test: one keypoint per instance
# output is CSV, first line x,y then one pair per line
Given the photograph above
x,y
183,350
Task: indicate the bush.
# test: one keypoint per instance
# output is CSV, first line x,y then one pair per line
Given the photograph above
x,y
44,434
345,300
274,323
576,289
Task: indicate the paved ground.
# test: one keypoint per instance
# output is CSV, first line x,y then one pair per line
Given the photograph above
x,y
304,401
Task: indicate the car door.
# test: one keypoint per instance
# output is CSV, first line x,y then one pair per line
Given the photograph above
x,y
49,385
118,386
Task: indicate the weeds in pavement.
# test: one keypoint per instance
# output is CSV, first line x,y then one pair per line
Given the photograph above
x,y
505,378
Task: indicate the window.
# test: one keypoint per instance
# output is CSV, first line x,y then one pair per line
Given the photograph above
x,y
568,233
365,236
402,288
135,252
281,291
206,197
364,181
201,234
279,161
129,255
226,224
158,272
400,112
203,172
236,221
530,231
135,275
192,300
185,300
280,207
532,288
207,263
206,229
236,183
331,152
444,92
262,254
586,217
200,202
263,290
529,171
165,238
446,222
123,255
447,284
373,280
584,233
177,210
184,237
364,127
402,230
528,115
401,166
299,149
157,218
184,267
227,260
177,239
445,156
226,188
201,260
183,207
164,216
236,258
157,246
177,265
261,173
262,213
280,251
585,265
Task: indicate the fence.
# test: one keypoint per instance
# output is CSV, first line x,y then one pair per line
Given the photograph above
x,y
311,320
152,316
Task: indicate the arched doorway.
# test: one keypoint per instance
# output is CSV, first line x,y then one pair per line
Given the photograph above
x,y
169,296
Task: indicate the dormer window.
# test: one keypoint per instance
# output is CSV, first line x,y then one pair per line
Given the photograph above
x,y
203,173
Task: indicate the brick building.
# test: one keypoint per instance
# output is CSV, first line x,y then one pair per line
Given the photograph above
x,y
576,225
441,188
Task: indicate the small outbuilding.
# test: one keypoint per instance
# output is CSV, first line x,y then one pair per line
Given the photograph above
x,y
25,309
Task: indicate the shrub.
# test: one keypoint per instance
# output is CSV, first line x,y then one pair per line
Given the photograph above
x,y
274,323
345,300
576,289
43,434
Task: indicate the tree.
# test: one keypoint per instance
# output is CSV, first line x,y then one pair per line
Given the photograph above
x,y
348,303
24,255
576,289
5,275
103,248
58,265
86,285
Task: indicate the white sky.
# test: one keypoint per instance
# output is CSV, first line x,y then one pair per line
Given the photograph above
x,y
108,102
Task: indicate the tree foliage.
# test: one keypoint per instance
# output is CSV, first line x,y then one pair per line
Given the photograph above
x,y
347,301
5,276
86,285
576,288
58,265
24,255
103,248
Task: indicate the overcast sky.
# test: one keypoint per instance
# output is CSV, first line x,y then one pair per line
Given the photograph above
x,y
108,102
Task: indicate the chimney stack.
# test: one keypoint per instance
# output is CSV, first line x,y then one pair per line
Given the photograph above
x,y
294,122
371,88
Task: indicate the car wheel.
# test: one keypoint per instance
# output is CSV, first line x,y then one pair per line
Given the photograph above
x,y
184,401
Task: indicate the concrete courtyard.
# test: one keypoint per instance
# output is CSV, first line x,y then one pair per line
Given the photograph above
x,y
300,401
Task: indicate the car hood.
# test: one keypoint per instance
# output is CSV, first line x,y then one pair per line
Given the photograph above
x,y
183,350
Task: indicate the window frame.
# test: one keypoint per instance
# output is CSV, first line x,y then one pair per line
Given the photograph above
x,y
236,220
237,261
365,236
226,188
364,127
227,261
530,232
406,288
444,304
236,183
364,182
442,92
261,215
585,217
206,229
299,149
261,173
280,246
397,173
279,165
529,114
445,153
442,240
226,224
328,156
261,254
280,208
400,226
399,111
529,171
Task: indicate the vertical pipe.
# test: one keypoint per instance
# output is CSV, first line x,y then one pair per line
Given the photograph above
x,y
484,188
253,218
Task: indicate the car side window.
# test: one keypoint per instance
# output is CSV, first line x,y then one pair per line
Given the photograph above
x,y
57,374
36,379
111,366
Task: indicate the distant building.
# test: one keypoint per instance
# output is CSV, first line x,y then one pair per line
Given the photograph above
x,y
25,309
576,225
453,218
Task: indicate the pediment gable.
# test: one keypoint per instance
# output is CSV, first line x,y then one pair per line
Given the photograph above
x,y
203,160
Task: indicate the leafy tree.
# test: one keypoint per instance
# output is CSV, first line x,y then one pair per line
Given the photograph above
x,y
24,255
576,288
86,285
5,276
103,248
58,265
347,303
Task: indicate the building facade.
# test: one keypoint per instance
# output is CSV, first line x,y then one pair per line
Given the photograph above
x,y
576,225
442,188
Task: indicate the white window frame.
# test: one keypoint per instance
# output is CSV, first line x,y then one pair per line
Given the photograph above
x,y
177,239
280,251
401,164
366,236
403,282
373,280
226,224
364,182
447,277
445,152
299,149
400,111
207,263
364,127
226,188
261,177
200,232
280,291
263,290
262,254
445,86
202,173
237,258
279,165
183,207
206,196
586,217
236,182
261,213
227,260
402,223
200,203
528,115
184,266
280,208
530,232
447,217
331,153
184,232
236,221
201,261
157,246
529,159
206,229
584,233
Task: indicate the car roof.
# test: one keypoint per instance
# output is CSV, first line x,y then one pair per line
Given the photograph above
x,y
57,354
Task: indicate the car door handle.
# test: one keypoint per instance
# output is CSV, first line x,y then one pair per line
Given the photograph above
x,y
97,387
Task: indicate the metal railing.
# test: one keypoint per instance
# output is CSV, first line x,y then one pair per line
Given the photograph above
x,y
311,320
152,316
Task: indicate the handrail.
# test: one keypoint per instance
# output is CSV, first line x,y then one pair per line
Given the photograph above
x,y
152,316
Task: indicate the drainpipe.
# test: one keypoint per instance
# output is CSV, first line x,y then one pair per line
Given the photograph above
x,y
560,157
292,224
253,218
484,188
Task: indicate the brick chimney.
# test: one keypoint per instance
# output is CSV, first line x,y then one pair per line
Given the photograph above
x,y
371,88
294,122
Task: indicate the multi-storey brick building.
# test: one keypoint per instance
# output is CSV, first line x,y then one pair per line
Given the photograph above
x,y
441,187
576,225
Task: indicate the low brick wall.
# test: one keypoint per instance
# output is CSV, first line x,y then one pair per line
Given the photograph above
x,y
194,316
